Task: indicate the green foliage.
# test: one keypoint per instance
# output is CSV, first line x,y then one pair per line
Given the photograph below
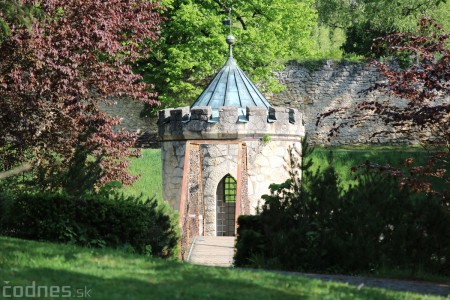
x,y
250,240
319,227
79,177
328,43
346,157
362,21
91,220
82,175
266,138
441,15
193,47
16,13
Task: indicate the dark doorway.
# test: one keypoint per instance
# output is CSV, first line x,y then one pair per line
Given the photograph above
x,y
226,206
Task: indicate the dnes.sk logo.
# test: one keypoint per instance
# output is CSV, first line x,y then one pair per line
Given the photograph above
x,y
49,291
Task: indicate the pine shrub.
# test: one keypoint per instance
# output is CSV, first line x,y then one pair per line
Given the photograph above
x,y
316,226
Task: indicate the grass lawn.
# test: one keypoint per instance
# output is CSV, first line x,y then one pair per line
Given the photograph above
x,y
149,165
110,274
344,158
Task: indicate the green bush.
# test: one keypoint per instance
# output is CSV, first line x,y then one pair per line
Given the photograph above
x,y
319,227
250,240
91,220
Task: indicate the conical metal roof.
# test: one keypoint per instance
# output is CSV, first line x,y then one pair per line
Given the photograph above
x,y
231,87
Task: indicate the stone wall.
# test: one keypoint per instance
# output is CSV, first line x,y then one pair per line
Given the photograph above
x,y
311,89
317,88
172,156
129,113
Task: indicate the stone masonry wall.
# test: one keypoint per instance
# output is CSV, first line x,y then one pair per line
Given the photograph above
x,y
198,123
320,88
328,85
268,162
172,156
217,161
309,89
129,113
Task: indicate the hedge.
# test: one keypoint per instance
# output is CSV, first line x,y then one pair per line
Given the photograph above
x,y
92,220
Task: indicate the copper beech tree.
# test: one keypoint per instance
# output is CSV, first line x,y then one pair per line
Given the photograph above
x,y
55,72
417,70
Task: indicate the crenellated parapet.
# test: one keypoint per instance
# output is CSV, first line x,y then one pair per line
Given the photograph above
x,y
187,123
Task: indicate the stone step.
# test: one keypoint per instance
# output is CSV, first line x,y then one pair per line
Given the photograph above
x,y
212,251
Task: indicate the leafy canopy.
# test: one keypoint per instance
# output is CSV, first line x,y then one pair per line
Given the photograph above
x,y
54,72
365,20
417,72
193,48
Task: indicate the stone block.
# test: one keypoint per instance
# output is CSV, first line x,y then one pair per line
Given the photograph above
x,y
179,114
257,119
197,125
202,113
261,161
228,114
256,111
294,116
176,127
179,150
279,113
163,118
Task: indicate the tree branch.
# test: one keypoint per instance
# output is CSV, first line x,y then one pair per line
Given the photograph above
x,y
241,20
16,171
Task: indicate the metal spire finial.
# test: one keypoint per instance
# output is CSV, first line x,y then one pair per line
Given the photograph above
x,y
230,41
230,38
229,18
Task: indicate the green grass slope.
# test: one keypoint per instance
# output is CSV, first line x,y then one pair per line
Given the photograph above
x,y
149,169
346,157
109,274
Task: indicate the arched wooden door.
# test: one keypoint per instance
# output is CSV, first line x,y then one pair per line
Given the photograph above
x,y
226,206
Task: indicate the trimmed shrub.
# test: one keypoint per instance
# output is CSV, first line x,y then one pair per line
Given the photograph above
x,y
91,220
250,240
318,227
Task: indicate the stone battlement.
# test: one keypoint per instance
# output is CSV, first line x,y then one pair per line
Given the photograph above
x,y
199,123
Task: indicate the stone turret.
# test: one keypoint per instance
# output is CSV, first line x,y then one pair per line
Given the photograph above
x,y
221,154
